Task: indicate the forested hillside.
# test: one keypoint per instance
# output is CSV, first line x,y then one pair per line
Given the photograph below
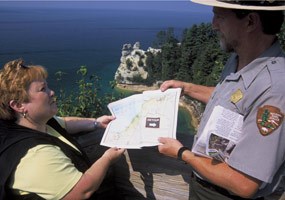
x,y
196,58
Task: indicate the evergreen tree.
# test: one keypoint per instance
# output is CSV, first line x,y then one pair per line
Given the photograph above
x,y
170,60
187,57
154,66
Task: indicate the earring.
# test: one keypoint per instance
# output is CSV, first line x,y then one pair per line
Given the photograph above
x,y
24,114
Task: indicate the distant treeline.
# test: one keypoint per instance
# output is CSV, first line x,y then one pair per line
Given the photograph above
x,y
196,58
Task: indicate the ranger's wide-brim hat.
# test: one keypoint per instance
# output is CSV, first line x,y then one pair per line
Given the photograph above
x,y
244,5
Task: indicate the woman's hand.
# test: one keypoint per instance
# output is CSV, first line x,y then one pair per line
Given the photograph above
x,y
113,154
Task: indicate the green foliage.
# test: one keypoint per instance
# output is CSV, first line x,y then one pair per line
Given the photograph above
x,y
281,36
113,83
136,79
154,66
82,101
197,58
163,37
206,66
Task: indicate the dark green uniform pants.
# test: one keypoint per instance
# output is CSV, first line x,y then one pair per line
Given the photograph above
x,y
203,190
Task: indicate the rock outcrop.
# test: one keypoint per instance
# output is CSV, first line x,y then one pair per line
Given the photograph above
x,y
133,68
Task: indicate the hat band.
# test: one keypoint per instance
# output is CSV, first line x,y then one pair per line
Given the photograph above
x,y
255,3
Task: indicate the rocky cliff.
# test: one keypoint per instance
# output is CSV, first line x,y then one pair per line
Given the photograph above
x,y
133,69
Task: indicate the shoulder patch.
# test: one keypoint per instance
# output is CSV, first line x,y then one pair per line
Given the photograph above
x,y
268,119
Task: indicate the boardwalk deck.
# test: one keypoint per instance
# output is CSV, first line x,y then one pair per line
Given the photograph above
x,y
145,173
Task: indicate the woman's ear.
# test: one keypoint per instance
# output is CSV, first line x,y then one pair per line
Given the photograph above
x,y
18,107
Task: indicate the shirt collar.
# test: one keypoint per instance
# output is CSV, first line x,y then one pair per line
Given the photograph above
x,y
250,71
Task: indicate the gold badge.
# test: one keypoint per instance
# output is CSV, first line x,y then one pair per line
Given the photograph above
x,y
238,95
268,119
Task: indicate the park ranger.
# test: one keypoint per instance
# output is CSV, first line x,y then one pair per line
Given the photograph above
x,y
254,89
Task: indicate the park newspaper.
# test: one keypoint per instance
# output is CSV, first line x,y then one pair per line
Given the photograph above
x,y
220,135
142,118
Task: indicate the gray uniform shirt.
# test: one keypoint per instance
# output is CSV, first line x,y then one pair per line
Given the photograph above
x,y
261,82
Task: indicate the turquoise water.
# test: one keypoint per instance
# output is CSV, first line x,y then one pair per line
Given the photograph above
x,y
184,122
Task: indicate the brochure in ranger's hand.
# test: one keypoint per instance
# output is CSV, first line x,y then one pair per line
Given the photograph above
x,y
142,118
220,135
